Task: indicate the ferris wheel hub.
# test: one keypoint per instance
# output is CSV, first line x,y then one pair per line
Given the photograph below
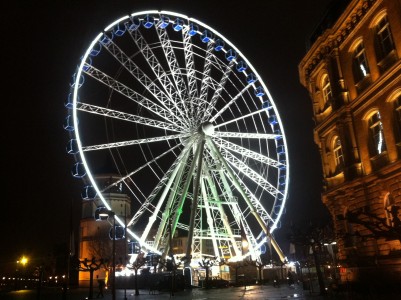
x,y
208,128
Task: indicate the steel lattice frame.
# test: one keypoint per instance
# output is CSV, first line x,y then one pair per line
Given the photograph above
x,y
191,129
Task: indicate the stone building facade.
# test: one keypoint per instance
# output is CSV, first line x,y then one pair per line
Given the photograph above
x,y
352,71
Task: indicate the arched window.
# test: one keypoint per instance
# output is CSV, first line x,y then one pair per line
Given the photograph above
x,y
384,39
376,134
360,63
326,89
338,154
388,203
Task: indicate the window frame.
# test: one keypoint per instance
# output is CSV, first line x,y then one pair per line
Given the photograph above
x,y
359,59
327,91
376,134
338,153
384,38
397,117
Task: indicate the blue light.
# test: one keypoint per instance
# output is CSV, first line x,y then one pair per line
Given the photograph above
x,y
148,22
219,45
95,50
206,36
105,39
163,22
259,92
133,24
193,29
267,105
278,134
119,30
87,65
178,24
241,66
251,78
273,120
231,54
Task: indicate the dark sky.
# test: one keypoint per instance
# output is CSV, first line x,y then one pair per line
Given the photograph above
x,y
42,43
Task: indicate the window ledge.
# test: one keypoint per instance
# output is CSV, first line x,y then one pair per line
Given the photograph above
x,y
363,83
388,61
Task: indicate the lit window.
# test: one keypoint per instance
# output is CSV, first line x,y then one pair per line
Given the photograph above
x,y
376,134
360,63
384,38
338,153
326,88
397,109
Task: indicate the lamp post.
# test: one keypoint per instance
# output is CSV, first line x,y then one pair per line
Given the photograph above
x,y
322,287
22,271
102,213
113,289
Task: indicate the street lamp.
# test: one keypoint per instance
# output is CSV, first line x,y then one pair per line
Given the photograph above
x,y
24,261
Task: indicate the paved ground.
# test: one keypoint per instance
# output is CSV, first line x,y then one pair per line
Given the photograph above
x,y
265,292
230,293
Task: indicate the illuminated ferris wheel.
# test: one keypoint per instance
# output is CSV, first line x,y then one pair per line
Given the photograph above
x,y
191,130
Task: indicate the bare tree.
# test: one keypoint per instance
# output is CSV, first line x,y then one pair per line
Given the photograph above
x,y
379,227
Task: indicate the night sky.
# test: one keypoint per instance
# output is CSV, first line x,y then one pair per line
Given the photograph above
x,y
42,43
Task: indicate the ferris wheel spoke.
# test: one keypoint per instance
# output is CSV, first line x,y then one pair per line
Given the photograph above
x,y
250,173
155,65
233,177
266,136
213,221
147,164
135,142
253,210
254,200
231,204
173,63
165,181
229,103
248,153
143,78
132,95
172,207
206,72
218,91
93,109
241,118
190,64
266,217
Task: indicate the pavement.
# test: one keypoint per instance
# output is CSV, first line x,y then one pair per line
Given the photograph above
x,y
256,292
231,293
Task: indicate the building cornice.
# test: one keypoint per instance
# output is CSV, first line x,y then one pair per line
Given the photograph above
x,y
332,38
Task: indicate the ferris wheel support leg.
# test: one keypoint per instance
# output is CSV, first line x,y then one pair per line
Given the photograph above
x,y
276,247
249,203
195,201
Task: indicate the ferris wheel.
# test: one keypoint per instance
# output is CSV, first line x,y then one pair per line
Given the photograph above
x,y
189,127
